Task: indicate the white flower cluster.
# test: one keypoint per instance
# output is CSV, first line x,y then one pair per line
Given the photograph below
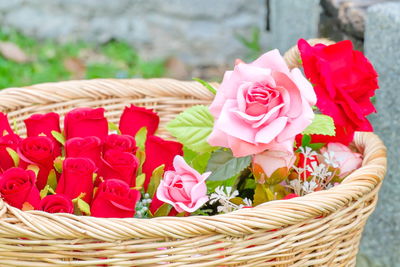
x,y
321,174
223,195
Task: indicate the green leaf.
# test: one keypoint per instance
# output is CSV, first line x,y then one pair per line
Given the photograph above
x,y
316,146
58,162
206,85
140,138
305,140
224,165
211,185
113,127
262,194
199,163
83,206
141,156
52,179
140,180
15,126
45,191
192,127
155,180
59,137
163,210
322,124
188,154
33,168
94,177
14,155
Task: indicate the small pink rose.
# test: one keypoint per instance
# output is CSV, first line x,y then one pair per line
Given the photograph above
x,y
185,188
348,160
271,160
261,105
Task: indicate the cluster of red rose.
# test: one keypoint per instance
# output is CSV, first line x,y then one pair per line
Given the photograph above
x,y
344,81
95,166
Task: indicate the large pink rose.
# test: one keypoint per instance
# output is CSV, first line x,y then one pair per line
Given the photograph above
x,y
185,189
261,105
347,160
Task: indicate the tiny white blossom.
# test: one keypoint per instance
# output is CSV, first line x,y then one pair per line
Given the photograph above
x,y
309,187
223,195
247,202
330,159
307,152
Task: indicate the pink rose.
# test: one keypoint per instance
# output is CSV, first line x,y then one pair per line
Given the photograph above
x,y
185,189
271,160
261,105
347,160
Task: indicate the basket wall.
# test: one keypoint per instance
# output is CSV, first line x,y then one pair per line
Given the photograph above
x,y
320,229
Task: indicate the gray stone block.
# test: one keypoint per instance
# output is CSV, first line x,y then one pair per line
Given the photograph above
x,y
381,239
198,32
292,20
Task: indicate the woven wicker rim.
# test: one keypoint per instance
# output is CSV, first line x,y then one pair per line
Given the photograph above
x,y
268,216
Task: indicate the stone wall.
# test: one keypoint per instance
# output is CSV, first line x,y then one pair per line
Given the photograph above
x,y
199,32
345,19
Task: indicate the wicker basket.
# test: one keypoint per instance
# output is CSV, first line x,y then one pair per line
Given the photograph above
x,y
320,229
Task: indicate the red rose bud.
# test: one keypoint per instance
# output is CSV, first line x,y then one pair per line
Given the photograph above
x,y
8,141
158,152
134,118
123,143
82,122
77,178
57,203
4,125
119,165
38,124
84,147
38,150
114,199
17,186
344,81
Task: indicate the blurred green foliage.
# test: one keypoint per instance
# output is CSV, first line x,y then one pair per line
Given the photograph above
x,y
48,61
252,43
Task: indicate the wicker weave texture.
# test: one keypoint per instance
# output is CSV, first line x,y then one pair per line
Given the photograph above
x,y
320,229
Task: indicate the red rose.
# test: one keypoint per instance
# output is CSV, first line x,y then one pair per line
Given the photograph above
x,y
119,165
4,125
11,141
124,143
158,152
84,147
114,199
306,164
38,150
17,186
57,203
82,122
133,118
290,196
38,124
77,178
344,81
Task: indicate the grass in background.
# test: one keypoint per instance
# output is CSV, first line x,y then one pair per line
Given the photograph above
x,y
50,62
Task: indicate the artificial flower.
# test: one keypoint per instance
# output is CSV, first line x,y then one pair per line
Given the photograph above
x,y
184,188
344,81
114,199
261,105
82,122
